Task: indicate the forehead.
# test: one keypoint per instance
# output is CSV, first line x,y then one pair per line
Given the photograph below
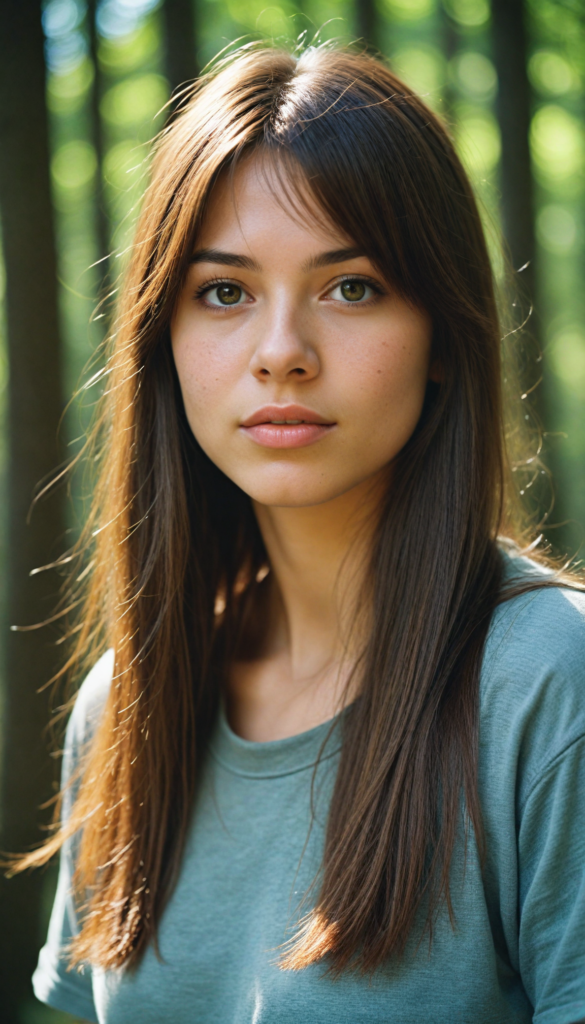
x,y
258,203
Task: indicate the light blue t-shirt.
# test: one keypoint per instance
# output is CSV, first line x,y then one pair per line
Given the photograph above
x,y
517,951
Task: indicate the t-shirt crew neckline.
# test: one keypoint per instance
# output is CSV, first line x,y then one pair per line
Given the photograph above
x,y
275,758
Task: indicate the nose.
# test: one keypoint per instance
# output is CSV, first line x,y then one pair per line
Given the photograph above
x,y
283,352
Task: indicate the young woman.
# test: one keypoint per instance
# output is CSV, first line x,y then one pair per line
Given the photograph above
x,y
331,767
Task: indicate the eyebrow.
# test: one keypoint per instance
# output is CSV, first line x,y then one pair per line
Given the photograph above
x,y
326,259
234,259
229,259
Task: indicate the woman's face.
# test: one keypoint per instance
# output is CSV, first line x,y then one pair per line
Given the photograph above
x,y
302,372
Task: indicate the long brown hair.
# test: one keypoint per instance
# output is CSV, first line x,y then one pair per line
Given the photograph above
x,y
169,532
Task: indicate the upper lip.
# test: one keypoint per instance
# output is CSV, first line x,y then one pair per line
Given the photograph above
x,y
270,413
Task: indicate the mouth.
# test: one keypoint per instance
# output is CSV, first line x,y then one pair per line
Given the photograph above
x,y
291,426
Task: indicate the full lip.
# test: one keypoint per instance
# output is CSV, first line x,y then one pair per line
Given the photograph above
x,y
286,426
280,414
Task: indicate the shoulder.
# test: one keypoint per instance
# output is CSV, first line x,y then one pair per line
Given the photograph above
x,y
532,691
89,705
544,627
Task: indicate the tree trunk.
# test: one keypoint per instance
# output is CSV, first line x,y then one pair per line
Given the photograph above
x,y
367,23
34,409
181,42
510,47
514,111
97,138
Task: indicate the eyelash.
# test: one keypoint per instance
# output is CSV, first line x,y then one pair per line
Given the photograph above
x,y
217,281
214,283
376,288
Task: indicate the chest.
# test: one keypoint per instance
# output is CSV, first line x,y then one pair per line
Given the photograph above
x,y
253,853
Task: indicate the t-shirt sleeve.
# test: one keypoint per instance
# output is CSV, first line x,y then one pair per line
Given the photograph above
x,y
54,982
552,889
532,786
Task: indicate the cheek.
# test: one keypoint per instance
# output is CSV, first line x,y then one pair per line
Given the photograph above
x,y
203,371
387,382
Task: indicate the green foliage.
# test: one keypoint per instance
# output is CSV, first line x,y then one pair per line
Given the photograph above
x,y
134,101
425,70
67,92
478,140
551,74
74,166
558,147
129,53
476,75
556,70
409,10
37,1013
469,13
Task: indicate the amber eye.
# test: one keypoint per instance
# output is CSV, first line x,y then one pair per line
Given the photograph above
x,y
353,291
228,294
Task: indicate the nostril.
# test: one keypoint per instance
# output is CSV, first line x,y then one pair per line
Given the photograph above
x,y
299,370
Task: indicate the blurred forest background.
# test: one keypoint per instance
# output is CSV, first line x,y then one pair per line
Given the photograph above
x,y
84,86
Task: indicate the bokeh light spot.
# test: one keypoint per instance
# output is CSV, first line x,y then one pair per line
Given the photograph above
x,y
135,100
74,165
557,144
123,164
556,229
66,93
60,17
476,75
477,137
550,73
470,13
410,10
567,356
423,69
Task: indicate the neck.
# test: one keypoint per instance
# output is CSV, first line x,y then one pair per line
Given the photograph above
x,y
318,556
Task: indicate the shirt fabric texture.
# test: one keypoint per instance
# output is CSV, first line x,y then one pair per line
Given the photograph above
x,y
517,951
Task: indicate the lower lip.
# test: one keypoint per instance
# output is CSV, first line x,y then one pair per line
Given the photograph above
x,y
276,435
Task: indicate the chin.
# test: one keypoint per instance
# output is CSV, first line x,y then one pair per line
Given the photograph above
x,y
289,497
288,500
279,487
